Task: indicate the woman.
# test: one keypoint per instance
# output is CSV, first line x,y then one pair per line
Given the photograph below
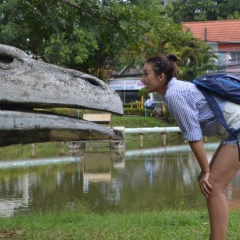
x,y
196,119
149,103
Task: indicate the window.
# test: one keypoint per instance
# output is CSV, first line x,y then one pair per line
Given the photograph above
x,y
235,56
128,96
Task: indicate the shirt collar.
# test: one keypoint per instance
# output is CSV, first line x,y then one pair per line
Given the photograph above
x,y
171,82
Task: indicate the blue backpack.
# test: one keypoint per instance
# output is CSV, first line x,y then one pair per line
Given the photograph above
x,y
226,86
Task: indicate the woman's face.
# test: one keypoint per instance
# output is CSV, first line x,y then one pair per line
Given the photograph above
x,y
153,82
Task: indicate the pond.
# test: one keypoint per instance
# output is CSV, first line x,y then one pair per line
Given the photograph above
x,y
120,181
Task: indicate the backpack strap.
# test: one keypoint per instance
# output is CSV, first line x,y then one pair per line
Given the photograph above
x,y
218,112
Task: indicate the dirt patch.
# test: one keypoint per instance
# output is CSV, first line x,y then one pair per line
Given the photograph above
x,y
10,234
234,204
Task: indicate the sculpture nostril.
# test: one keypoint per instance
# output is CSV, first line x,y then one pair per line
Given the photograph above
x,y
6,59
92,81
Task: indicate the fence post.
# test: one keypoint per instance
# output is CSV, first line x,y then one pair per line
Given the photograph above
x,y
118,141
164,137
141,139
33,150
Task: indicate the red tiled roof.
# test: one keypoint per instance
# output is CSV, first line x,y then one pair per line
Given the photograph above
x,y
216,31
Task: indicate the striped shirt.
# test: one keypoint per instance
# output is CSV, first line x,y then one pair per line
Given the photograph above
x,y
191,110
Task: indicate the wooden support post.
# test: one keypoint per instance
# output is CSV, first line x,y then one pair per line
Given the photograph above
x,y
164,137
118,141
76,148
141,140
33,151
164,110
62,148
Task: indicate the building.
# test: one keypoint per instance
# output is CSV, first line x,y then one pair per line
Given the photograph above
x,y
223,36
127,83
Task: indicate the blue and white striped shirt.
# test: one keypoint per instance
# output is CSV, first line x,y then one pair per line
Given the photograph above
x,y
191,110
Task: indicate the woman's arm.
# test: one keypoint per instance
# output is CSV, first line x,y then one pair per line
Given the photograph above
x,y
200,153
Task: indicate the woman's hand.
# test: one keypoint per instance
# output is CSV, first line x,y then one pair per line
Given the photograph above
x,y
205,186
200,154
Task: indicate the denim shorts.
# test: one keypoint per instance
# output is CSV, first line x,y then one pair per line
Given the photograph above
x,y
231,114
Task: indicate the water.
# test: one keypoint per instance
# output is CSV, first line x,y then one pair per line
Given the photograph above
x,y
132,180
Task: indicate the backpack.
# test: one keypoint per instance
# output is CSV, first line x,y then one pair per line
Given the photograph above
x,y
226,86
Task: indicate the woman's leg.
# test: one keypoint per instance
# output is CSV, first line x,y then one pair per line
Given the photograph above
x,y
224,166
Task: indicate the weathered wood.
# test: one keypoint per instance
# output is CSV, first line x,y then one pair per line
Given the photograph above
x,y
99,118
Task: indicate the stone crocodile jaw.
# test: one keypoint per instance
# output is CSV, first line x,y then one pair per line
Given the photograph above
x,y
29,84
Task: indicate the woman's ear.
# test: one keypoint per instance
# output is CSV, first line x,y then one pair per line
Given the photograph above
x,y
161,77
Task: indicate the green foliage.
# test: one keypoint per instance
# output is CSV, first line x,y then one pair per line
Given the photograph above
x,y
92,36
195,58
81,223
190,11
64,50
143,92
137,111
235,15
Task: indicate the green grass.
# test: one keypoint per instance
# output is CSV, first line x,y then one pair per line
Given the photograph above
x,y
138,122
166,225
24,151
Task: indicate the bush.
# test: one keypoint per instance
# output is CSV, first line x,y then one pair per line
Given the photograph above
x,y
137,112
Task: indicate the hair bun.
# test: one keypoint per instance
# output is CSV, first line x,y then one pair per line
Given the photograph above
x,y
172,57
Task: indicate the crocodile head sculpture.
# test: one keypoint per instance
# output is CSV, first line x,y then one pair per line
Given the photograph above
x,y
28,84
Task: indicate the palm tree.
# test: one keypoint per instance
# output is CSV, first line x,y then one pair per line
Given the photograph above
x,y
195,59
195,56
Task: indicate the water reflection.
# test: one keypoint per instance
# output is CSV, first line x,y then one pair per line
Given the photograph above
x,y
134,180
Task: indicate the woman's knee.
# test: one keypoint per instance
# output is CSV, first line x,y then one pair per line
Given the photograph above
x,y
218,185
224,167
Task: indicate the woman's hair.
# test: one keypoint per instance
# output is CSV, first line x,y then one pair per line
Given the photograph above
x,y
165,64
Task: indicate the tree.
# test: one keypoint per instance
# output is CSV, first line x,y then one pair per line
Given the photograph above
x,y
48,30
89,35
195,57
143,93
228,9
76,34
194,10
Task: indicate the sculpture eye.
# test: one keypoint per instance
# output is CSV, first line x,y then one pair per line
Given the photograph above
x,y
8,62
6,59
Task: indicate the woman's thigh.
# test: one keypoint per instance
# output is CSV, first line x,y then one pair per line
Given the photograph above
x,y
224,166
